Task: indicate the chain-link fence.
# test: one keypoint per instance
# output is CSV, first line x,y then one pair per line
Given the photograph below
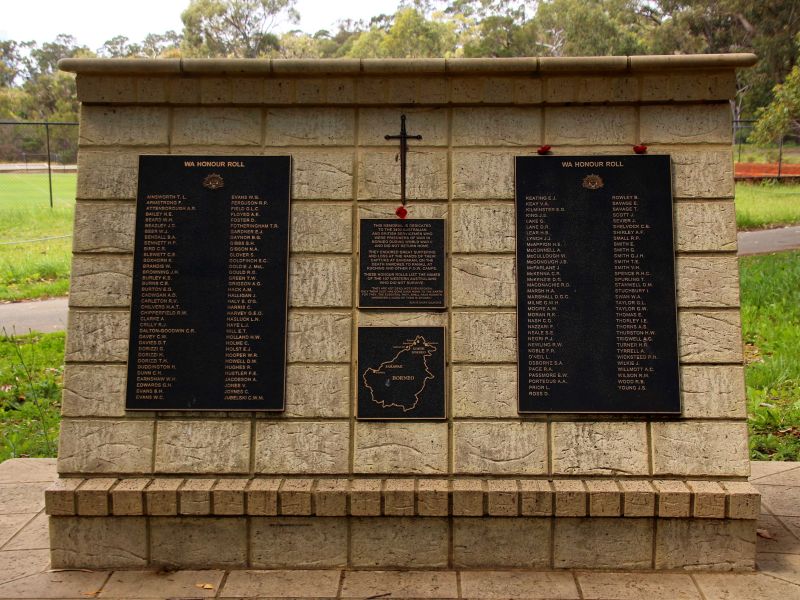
x,y
37,161
780,159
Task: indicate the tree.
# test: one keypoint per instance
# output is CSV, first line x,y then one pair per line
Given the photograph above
x,y
782,115
234,28
409,34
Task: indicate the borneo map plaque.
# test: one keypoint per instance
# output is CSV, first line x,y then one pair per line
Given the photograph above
x,y
596,311
208,313
401,373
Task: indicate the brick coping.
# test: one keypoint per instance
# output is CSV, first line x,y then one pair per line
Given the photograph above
x,y
400,66
401,497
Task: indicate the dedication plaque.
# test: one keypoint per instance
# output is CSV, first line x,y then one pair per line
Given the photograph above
x,y
208,314
596,313
401,263
401,373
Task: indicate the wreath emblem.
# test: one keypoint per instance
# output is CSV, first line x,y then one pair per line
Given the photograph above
x,y
593,182
214,181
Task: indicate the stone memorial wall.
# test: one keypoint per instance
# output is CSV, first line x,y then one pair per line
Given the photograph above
x,y
475,482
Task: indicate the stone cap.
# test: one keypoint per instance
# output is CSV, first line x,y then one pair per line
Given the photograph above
x,y
401,66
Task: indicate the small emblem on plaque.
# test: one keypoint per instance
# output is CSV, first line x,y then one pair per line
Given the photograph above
x,y
214,181
593,182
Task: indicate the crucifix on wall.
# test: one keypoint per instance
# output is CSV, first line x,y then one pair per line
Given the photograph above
x,y
403,137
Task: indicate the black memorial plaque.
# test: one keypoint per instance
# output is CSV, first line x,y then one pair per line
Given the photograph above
x,y
401,263
401,373
596,314
208,315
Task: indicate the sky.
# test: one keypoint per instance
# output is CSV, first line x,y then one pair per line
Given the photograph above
x,y
93,22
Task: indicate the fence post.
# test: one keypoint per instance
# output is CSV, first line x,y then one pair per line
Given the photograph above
x,y
49,170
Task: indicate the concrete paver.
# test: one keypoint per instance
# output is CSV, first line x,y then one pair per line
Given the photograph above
x,y
24,564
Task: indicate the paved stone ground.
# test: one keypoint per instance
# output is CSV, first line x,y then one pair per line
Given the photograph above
x,y
24,563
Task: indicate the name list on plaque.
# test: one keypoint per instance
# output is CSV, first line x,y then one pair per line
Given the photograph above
x,y
596,311
208,315
401,263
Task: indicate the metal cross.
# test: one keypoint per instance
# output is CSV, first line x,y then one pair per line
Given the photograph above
x,y
403,137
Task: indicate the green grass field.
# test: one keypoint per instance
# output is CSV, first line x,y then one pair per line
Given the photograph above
x,y
35,269
750,153
760,205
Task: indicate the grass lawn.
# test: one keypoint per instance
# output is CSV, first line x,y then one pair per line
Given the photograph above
x,y
35,269
771,328
750,153
760,205
31,368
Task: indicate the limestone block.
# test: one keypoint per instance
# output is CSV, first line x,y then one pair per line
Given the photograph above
x,y
198,542
331,497
365,497
536,498
707,281
484,391
491,542
690,86
674,498
92,543
124,126
104,175
261,497
417,210
590,126
105,446
294,497
701,448
217,90
502,497
320,391
582,89
483,175
638,498
744,501
710,336
318,337
104,227
127,497
398,497
705,226
432,497
321,227
713,391
482,90
322,175
597,543
483,281
496,127
216,126
500,448
467,89
692,124
709,499
705,544
600,448
302,447
375,123
484,337
605,498
91,498
468,497
183,90
399,542
94,391
59,497
194,497
527,91
372,90
483,228
203,446
320,281
379,175
228,496
570,498
418,448
278,91
337,91
246,90
92,88
310,127
433,91
298,542
161,497
402,319
100,336
151,90
100,280
702,174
